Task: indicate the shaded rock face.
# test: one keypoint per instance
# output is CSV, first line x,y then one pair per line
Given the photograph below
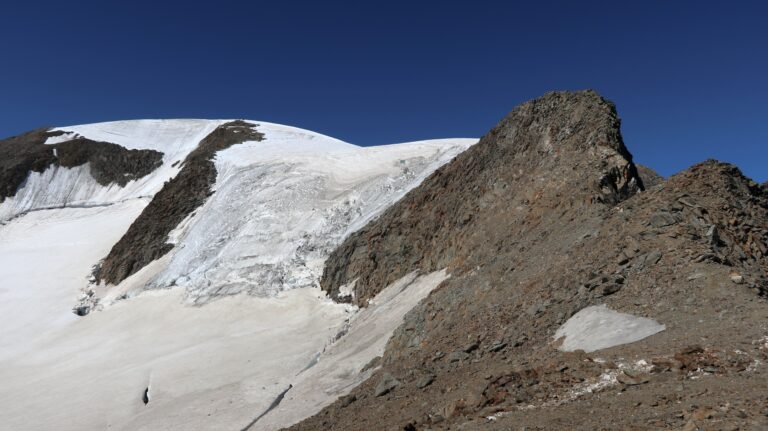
x,y
21,155
564,149
146,239
109,163
538,221
649,176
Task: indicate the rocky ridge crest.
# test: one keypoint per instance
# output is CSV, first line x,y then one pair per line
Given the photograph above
x,y
562,150
109,163
147,237
541,219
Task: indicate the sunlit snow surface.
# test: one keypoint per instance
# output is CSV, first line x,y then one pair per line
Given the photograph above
x,y
283,204
59,187
598,327
256,247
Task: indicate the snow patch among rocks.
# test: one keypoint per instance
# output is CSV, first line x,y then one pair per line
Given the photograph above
x,y
598,327
68,136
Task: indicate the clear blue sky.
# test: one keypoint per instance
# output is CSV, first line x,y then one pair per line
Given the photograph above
x,y
690,78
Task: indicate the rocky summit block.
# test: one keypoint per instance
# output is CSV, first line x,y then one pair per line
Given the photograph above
x,y
561,150
547,216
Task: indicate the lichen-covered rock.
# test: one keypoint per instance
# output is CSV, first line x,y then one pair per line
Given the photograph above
x,y
386,385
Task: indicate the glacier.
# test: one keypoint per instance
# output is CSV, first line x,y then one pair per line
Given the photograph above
x,y
67,187
300,205
225,322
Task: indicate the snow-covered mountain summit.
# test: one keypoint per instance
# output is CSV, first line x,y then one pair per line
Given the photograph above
x,y
199,210
279,204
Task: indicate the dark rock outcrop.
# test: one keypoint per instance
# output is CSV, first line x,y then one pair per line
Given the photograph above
x,y
536,222
146,239
21,155
109,163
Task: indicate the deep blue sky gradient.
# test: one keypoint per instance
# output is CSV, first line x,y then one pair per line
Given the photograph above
x,y
690,79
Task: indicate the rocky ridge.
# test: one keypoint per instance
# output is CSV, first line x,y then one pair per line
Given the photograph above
x,y
147,238
563,150
543,218
109,163
649,176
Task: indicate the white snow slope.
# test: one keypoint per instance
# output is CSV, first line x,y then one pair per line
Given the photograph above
x,y
598,327
59,187
257,247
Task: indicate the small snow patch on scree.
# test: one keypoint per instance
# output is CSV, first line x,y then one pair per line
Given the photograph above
x,y
598,327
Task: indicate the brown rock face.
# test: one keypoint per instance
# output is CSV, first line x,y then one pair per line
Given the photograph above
x,y
562,150
109,163
146,239
537,221
649,176
20,155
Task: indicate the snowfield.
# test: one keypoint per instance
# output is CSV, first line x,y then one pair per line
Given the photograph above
x,y
300,205
249,258
59,187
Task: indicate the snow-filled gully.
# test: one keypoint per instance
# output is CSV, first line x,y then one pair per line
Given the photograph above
x,y
266,349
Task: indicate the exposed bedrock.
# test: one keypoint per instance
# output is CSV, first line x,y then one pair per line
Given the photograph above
x,y
109,163
146,239
561,150
540,220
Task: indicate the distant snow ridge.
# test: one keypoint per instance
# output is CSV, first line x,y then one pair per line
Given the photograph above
x,y
58,187
282,205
